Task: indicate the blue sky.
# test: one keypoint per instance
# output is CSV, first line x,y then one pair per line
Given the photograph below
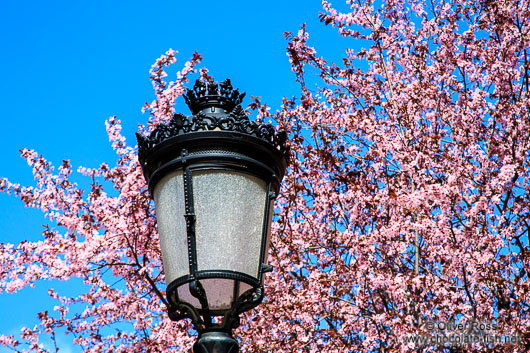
x,y
66,66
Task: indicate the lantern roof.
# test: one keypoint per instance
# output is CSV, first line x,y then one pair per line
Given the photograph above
x,y
225,114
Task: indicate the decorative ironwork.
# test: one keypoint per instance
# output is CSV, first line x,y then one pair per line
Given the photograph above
x,y
246,301
234,119
206,94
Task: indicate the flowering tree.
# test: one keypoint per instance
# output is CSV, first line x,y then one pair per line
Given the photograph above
x,y
405,201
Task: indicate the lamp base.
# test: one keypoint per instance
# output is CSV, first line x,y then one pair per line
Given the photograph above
x,y
215,342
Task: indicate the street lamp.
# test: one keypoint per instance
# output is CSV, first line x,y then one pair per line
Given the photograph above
x,y
214,177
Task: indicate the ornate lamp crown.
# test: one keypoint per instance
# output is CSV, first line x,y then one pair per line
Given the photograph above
x,y
207,94
234,118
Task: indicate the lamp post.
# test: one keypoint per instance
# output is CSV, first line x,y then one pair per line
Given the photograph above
x,y
213,176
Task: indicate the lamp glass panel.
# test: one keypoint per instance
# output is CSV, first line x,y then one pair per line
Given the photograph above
x,y
219,291
185,296
170,210
243,287
229,209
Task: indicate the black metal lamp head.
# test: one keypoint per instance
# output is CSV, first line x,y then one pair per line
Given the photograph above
x,y
214,177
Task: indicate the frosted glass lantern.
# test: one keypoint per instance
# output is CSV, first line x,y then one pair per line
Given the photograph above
x,y
213,177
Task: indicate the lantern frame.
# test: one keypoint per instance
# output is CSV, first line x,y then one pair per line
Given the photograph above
x,y
217,137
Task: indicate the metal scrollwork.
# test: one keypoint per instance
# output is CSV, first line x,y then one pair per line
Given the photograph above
x,y
203,92
235,118
248,300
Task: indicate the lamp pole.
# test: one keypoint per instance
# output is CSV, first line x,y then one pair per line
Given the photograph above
x,y
214,176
